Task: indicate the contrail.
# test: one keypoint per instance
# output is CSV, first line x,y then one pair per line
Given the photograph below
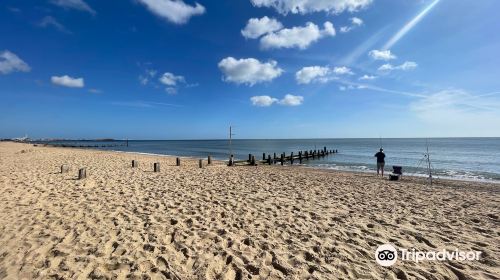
x,y
402,32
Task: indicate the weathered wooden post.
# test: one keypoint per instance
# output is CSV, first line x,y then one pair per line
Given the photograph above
x,y
156,167
200,163
231,160
135,163
313,154
336,151
82,173
64,168
252,161
263,156
209,160
291,158
178,161
300,157
269,159
306,155
324,149
282,159
249,157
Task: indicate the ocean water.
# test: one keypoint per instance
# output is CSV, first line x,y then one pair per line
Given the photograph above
x,y
455,158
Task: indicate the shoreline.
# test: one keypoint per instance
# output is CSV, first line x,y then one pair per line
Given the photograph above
x,y
412,175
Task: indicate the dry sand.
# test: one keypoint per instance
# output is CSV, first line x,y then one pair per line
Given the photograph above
x,y
229,223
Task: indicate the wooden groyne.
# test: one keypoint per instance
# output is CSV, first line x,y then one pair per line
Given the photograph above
x,y
283,158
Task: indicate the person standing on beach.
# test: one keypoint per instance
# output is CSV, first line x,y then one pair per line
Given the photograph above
x,y
380,161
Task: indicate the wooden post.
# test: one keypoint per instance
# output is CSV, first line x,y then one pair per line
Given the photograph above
x,y
156,167
307,155
252,161
135,163
282,159
249,157
263,156
300,157
64,168
274,156
313,154
291,158
231,160
209,160
269,159
178,161
336,151
200,163
82,173
324,149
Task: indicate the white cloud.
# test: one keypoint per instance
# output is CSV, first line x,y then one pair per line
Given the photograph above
x,y
310,74
248,70
406,66
297,37
263,100
355,22
309,6
382,55
50,21
342,70
9,62
266,100
67,81
175,11
320,74
74,4
170,79
291,100
258,27
367,77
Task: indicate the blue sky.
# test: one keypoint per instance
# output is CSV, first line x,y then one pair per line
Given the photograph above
x,y
165,69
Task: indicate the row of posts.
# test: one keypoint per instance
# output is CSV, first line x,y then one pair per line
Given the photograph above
x,y
82,172
301,155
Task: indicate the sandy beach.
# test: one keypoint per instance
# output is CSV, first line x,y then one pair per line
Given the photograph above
x,y
219,222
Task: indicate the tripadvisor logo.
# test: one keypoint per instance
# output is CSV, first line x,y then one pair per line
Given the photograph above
x,y
387,255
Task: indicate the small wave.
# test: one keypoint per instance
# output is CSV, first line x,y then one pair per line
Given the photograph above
x,y
441,174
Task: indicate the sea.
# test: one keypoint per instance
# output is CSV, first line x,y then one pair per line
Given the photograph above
x,y
475,159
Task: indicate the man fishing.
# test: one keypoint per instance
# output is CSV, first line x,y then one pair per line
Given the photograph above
x,y
380,161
